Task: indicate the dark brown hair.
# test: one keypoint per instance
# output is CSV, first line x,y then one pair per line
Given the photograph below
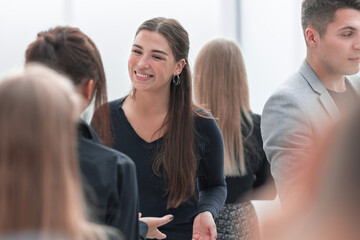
x,y
70,51
319,13
177,156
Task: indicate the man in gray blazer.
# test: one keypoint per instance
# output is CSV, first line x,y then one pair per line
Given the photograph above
x,y
303,107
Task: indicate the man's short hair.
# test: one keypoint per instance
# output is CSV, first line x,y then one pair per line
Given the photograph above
x,y
319,13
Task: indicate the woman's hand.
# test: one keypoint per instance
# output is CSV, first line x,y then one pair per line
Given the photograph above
x,y
204,227
153,223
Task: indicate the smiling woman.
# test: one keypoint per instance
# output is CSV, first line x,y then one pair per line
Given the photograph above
x,y
173,143
151,62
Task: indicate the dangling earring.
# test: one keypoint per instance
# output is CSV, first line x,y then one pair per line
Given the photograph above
x,y
176,80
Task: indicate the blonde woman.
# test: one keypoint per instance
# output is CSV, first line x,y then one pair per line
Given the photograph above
x,y
40,189
221,86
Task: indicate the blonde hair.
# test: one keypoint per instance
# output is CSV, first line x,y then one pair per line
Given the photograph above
x,y
220,85
40,189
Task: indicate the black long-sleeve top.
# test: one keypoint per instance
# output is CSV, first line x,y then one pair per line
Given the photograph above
x,y
211,184
110,184
257,166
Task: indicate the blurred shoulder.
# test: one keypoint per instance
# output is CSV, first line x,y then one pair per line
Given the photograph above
x,y
256,118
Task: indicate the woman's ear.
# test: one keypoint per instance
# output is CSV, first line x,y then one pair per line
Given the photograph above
x,y
88,89
179,66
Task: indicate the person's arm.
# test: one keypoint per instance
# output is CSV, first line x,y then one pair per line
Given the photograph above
x,y
143,230
204,227
287,138
149,226
126,213
263,186
211,181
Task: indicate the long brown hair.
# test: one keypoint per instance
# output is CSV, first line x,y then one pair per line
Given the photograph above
x,y
177,156
73,53
220,84
40,188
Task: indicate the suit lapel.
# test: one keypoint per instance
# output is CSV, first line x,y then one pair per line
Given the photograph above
x,y
330,106
354,82
324,97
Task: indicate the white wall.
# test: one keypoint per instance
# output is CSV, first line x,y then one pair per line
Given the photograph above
x,y
20,21
273,47
272,44
114,28
272,41
111,24
271,36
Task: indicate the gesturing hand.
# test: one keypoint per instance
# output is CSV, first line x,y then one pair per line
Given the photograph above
x,y
153,223
204,227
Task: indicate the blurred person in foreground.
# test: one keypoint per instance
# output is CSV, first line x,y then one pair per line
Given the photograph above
x,y
328,206
40,188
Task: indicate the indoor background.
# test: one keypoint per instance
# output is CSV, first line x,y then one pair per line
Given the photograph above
x,y
268,32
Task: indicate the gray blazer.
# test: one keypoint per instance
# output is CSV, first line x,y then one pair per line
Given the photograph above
x,y
292,119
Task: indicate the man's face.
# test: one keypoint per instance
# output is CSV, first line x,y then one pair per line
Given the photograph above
x,y
339,47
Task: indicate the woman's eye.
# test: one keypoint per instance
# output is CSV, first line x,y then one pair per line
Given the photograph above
x,y
157,57
136,51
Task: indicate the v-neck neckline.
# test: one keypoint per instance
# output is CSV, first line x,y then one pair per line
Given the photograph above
x,y
132,130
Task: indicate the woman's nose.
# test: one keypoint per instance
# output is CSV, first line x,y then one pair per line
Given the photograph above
x,y
144,62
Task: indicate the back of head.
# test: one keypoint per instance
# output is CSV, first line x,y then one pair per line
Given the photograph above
x,y
73,53
319,13
220,84
220,76
69,51
39,182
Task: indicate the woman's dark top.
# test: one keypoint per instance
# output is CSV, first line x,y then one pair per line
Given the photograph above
x,y
211,184
258,167
110,184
